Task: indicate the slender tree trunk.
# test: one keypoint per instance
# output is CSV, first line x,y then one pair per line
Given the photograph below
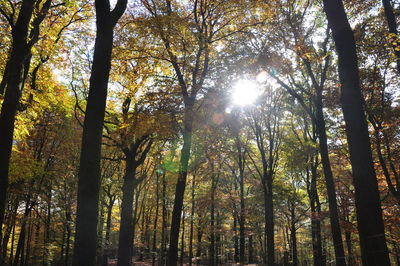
x,y
315,216
125,245
181,184
242,219
330,183
369,213
164,221
68,237
154,247
212,224
192,222
89,169
293,237
349,248
235,237
269,221
251,255
199,245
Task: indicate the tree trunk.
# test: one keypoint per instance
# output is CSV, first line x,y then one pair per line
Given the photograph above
x,y
13,88
164,221
293,237
269,221
192,222
125,244
89,168
251,255
235,237
212,224
181,184
369,213
242,219
154,247
330,183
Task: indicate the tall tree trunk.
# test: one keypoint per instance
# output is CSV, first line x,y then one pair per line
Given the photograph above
x,y
330,183
235,237
125,245
212,224
181,183
242,219
293,236
154,247
192,221
369,213
315,220
164,221
199,250
269,221
89,169
251,255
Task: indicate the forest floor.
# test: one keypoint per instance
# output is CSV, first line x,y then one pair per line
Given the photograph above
x,y
149,263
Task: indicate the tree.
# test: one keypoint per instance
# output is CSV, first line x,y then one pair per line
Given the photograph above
x,y
25,33
89,170
369,213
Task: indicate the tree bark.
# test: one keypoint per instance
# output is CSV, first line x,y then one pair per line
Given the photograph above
x,y
13,87
330,183
181,183
89,169
369,213
125,245
192,221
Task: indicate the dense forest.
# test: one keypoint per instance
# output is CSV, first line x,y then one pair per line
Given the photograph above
x,y
199,132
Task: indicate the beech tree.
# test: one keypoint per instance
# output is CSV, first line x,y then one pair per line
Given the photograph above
x,y
369,212
89,170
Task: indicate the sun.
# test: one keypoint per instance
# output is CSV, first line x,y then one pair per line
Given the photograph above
x,y
245,92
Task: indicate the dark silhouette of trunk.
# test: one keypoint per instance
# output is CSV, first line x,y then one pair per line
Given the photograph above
x,y
109,206
349,248
89,169
235,237
154,247
369,213
251,251
242,218
19,253
199,238
269,222
330,184
172,259
315,213
164,221
192,221
293,236
392,25
212,257
125,244
139,148
12,85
